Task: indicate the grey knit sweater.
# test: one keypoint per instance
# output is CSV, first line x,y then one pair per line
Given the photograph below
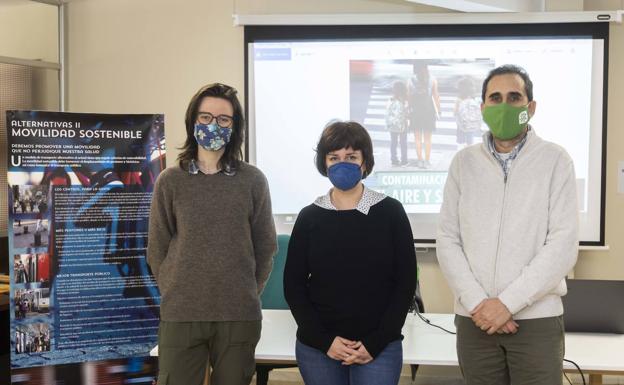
x,y
211,244
514,238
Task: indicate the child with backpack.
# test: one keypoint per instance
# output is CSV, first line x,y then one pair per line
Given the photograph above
x,y
396,122
467,112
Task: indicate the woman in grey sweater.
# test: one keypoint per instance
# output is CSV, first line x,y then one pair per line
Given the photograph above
x,y
211,244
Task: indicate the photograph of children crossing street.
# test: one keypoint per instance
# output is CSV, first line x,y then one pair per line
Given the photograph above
x,y
419,112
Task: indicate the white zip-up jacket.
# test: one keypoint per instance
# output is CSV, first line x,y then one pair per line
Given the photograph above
x,y
515,239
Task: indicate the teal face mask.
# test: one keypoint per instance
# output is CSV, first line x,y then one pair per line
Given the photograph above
x,y
505,121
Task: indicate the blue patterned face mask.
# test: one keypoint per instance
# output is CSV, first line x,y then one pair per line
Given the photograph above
x,y
344,175
212,137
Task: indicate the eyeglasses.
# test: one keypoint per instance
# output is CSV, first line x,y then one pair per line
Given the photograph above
x,y
222,120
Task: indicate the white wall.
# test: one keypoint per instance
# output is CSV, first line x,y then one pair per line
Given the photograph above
x,y
28,30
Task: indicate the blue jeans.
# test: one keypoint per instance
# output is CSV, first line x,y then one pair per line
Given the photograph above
x,y
317,368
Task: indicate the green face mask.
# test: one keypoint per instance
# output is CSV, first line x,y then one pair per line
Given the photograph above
x,y
505,121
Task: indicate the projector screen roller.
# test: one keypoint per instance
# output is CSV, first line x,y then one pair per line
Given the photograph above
x,y
301,79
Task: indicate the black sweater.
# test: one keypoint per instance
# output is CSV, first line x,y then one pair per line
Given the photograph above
x,y
351,275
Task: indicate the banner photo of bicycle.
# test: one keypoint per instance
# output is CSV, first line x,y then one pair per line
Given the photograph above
x,y
80,187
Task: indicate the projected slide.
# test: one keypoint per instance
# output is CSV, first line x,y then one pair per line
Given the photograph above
x,y
297,88
448,94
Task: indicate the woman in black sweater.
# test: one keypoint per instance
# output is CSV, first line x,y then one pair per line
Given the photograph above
x,y
350,273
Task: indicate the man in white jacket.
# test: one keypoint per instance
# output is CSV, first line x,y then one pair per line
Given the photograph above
x,y
507,237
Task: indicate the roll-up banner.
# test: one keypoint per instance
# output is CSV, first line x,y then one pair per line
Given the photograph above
x,y
80,187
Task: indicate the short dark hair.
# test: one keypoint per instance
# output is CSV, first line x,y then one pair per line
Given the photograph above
x,y
465,88
233,149
510,69
338,135
399,89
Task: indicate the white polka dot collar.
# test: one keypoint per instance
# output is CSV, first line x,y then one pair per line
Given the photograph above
x,y
368,200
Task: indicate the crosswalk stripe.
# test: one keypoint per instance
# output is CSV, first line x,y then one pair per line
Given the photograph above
x,y
370,121
447,114
376,111
447,105
374,122
437,140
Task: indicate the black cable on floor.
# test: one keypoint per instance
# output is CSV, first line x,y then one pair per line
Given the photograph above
x,y
431,324
577,368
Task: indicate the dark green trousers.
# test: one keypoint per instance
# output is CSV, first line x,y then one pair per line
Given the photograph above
x,y
532,356
184,349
